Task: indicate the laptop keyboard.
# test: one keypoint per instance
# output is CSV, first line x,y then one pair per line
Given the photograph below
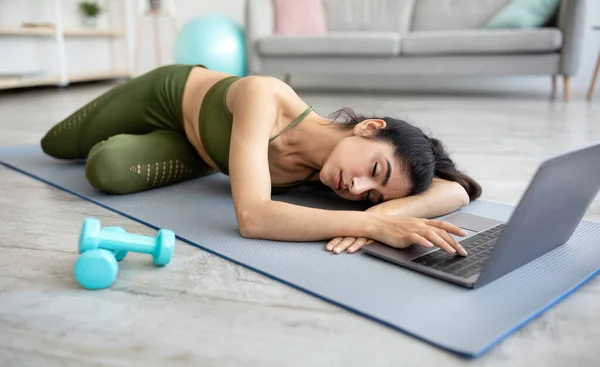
x,y
478,249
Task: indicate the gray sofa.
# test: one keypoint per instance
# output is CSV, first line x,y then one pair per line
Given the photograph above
x,y
416,37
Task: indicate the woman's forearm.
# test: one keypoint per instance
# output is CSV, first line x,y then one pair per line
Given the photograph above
x,y
281,221
441,198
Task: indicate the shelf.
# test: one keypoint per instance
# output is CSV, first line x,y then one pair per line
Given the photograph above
x,y
84,77
69,32
89,32
44,32
30,82
15,82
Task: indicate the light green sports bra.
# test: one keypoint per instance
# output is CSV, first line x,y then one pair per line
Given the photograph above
x,y
216,121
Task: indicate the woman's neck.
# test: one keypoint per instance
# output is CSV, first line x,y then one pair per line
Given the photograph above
x,y
315,139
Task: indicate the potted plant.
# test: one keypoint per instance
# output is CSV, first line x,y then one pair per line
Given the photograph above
x,y
91,10
155,5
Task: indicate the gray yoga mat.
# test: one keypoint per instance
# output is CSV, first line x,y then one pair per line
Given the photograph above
x,y
466,322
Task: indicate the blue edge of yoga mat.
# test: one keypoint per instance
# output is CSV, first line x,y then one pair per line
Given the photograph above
x,y
463,321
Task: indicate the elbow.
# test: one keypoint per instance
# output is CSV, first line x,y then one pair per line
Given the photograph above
x,y
250,223
248,226
249,231
462,196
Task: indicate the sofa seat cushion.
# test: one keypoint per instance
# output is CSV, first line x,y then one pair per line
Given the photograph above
x,y
332,44
482,41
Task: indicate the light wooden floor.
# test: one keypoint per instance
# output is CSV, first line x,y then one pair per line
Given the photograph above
x,y
204,311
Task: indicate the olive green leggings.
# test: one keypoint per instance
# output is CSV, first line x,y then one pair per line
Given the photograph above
x,y
132,136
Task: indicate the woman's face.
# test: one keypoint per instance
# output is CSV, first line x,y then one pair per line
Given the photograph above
x,y
360,168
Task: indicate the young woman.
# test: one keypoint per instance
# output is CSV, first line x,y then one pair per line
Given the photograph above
x,y
181,122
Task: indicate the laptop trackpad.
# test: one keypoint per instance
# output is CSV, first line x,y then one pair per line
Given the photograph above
x,y
460,238
471,222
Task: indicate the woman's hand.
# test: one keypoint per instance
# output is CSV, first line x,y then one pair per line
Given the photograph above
x,y
402,232
352,244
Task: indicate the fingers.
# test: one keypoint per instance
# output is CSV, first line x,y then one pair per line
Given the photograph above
x,y
437,237
452,242
418,240
343,245
352,244
450,228
360,242
443,229
437,240
333,243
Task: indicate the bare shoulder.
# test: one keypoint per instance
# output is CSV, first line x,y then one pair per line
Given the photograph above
x,y
265,82
265,89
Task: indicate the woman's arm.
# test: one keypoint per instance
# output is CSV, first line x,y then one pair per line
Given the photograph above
x,y
442,197
255,113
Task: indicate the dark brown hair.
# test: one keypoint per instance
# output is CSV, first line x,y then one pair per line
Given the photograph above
x,y
424,157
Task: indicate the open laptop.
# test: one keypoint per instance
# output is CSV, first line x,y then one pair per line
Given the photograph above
x,y
547,215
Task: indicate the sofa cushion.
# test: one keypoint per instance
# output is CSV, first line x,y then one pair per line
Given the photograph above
x,y
288,22
368,15
482,41
431,15
525,14
333,44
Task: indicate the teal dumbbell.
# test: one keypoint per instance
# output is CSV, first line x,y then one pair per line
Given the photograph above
x,y
96,269
119,255
119,242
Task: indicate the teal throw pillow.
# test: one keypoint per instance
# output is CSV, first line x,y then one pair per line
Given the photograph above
x,y
524,14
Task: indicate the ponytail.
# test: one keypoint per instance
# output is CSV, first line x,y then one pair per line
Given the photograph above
x,y
424,157
446,169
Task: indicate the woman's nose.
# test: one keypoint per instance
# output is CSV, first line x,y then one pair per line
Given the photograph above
x,y
358,185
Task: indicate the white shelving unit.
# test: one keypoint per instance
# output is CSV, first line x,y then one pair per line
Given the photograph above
x,y
63,52
67,32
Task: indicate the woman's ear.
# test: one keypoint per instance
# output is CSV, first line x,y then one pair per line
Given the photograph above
x,y
368,128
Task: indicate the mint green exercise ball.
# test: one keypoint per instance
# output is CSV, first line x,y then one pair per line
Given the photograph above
x,y
214,41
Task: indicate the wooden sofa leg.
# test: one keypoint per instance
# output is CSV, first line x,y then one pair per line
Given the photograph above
x,y
567,89
590,92
553,93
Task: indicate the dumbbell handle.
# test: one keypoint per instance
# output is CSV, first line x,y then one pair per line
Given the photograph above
x,y
127,242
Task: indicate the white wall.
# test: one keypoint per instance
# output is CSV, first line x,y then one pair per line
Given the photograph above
x,y
188,9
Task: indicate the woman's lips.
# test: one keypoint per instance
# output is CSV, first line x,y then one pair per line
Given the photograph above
x,y
339,183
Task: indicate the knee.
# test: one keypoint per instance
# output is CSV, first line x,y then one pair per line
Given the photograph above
x,y
62,140
107,168
54,146
46,144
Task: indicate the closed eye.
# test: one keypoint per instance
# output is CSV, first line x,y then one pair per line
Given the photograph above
x,y
374,170
372,174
